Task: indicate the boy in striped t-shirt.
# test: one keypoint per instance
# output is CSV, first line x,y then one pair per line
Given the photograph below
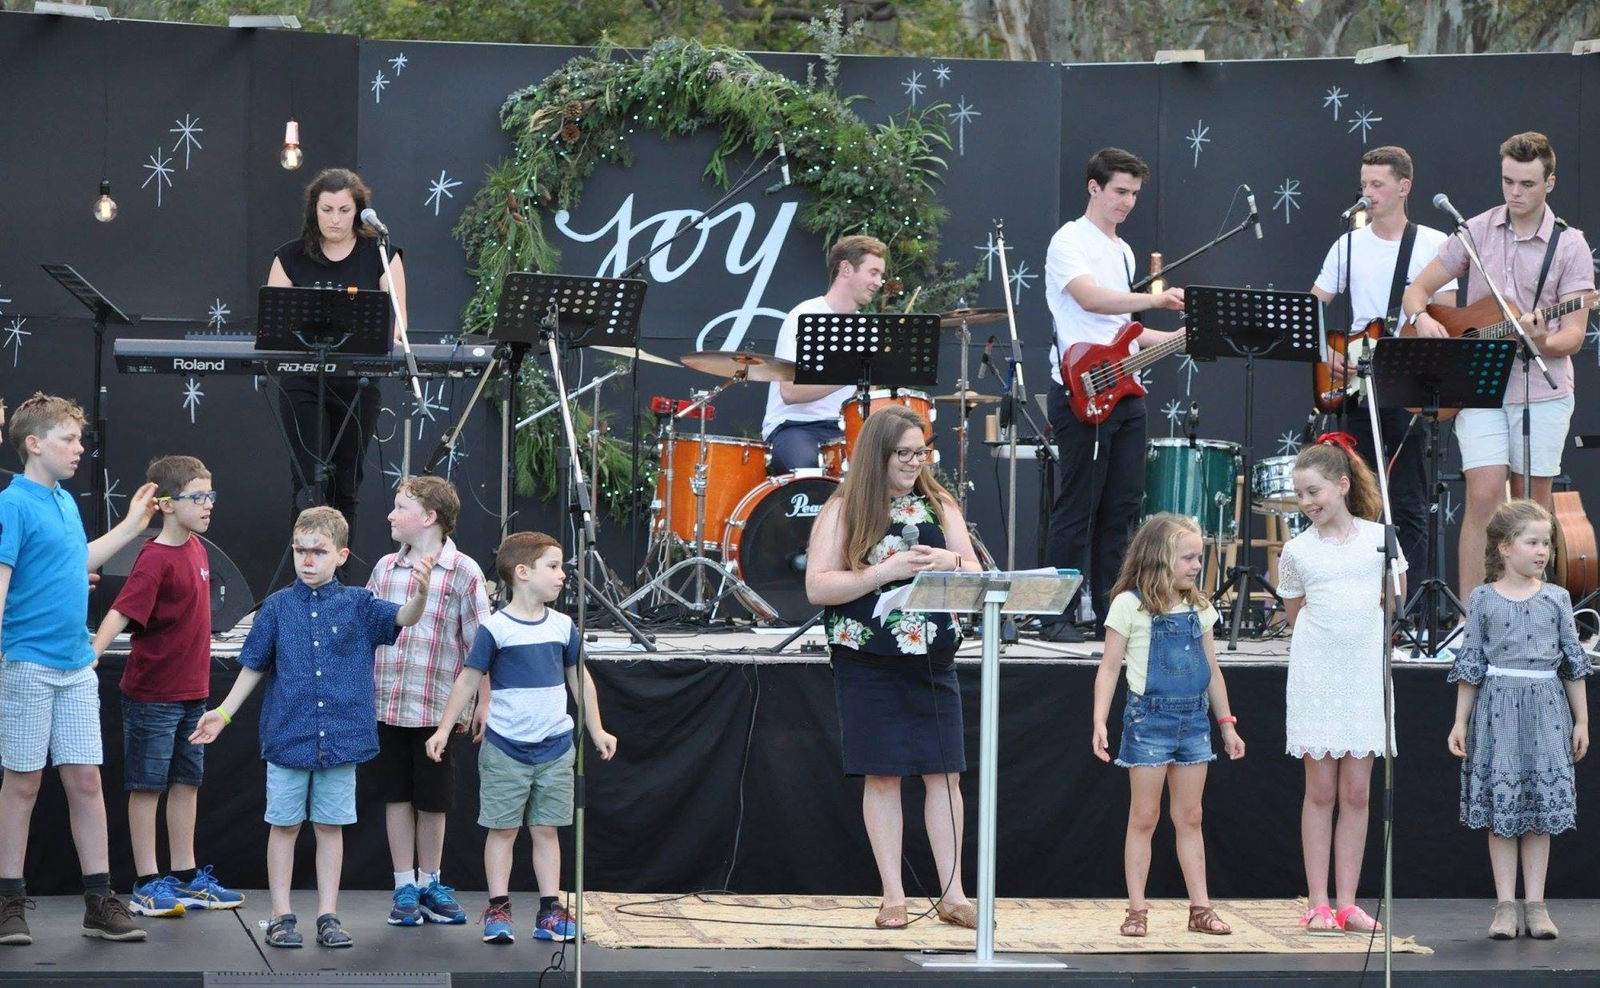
x,y
525,766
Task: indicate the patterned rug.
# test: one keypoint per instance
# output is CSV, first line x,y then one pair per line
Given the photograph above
x,y
1054,926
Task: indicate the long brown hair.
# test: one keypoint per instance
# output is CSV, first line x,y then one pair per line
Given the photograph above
x,y
1333,455
864,495
1147,568
1504,526
333,180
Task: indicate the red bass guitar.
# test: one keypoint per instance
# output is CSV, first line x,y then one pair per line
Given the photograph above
x,y
1098,375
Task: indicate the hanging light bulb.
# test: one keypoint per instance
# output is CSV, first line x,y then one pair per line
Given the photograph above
x,y
291,156
1359,219
1158,284
105,207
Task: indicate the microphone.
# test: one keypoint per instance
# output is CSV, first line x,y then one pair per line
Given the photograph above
x,y
369,216
910,534
1356,207
1442,203
1255,217
986,363
783,157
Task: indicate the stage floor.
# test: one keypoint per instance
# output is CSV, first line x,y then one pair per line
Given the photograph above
x,y
182,951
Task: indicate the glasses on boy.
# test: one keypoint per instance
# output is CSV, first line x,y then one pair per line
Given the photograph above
x,y
198,497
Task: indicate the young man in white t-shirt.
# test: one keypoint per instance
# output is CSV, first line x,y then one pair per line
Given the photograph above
x,y
1087,275
801,417
1363,263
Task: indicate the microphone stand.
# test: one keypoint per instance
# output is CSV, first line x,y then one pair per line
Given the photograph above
x,y
1530,353
1166,269
405,343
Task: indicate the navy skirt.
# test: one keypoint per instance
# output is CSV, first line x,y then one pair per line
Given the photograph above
x,y
895,716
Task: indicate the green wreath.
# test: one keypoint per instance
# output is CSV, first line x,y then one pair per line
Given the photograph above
x,y
858,178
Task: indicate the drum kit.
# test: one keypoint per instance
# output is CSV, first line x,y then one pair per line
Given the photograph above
x,y
720,527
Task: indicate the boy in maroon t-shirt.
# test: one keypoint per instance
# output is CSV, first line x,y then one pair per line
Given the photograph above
x,y
167,603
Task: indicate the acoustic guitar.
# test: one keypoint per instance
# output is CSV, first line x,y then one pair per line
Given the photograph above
x,y
1577,565
1098,375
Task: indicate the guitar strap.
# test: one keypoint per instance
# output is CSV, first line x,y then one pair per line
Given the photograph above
x,y
1549,257
1402,267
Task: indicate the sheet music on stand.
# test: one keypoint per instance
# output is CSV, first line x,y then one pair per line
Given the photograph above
x,y
351,321
897,349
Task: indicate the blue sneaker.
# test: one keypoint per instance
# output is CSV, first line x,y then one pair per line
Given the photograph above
x,y
205,892
439,906
555,924
406,911
157,897
497,924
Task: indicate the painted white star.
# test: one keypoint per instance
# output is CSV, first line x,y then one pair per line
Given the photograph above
x,y
14,335
395,475
1189,368
432,401
1197,138
186,129
399,62
1020,277
1364,119
1173,410
1451,508
942,73
453,456
438,189
159,172
989,250
963,115
1287,194
191,397
217,314
1335,98
111,496
378,83
913,85
1289,443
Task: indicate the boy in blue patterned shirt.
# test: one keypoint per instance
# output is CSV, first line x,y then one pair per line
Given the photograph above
x,y
313,644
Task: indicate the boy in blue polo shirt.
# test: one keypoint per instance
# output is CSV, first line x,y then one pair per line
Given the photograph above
x,y
313,643
49,693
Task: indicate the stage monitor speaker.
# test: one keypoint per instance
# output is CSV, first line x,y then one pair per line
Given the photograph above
x,y
231,598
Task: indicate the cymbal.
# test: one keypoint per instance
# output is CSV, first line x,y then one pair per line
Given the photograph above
x,y
972,317
970,397
730,363
633,353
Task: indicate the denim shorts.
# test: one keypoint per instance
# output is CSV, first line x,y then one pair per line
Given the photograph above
x,y
156,752
330,793
1165,730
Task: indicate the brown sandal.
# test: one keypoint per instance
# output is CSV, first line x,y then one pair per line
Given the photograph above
x,y
891,917
964,914
1136,923
1204,919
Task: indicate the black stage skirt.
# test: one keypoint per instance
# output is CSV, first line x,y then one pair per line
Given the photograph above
x,y
899,716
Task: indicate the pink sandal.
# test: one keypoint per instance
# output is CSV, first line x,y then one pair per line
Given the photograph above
x,y
1354,919
1323,915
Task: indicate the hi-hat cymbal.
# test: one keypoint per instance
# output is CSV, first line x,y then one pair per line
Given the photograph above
x,y
972,317
633,353
970,397
731,363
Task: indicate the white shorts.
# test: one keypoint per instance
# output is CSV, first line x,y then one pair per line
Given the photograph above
x,y
45,711
1492,437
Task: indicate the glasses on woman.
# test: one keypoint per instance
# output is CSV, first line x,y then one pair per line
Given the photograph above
x,y
907,455
198,497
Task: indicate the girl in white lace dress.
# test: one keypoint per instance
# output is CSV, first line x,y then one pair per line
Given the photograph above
x,y
1331,580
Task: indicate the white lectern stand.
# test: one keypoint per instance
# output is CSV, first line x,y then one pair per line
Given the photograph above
x,y
1023,592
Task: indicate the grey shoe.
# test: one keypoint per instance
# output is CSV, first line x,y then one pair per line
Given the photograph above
x,y
1505,924
107,917
1537,920
14,921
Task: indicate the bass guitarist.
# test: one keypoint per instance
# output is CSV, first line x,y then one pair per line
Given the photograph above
x,y
1088,271
1374,264
1536,260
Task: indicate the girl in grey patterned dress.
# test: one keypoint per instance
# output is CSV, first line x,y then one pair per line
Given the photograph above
x,y
1521,715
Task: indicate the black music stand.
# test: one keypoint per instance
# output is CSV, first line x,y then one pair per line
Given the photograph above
x,y
894,350
105,312
1427,375
567,312
1251,323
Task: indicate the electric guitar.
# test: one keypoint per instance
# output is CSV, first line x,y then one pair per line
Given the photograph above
x,y
1329,392
1098,375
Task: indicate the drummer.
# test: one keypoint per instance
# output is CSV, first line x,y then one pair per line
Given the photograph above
x,y
801,417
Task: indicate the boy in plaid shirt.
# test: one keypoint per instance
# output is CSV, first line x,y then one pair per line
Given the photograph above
x,y
413,680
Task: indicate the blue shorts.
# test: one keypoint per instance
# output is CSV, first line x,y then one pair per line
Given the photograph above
x,y
156,752
329,792
1165,730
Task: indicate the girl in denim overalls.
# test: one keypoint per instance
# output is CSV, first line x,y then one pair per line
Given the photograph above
x,y
1161,623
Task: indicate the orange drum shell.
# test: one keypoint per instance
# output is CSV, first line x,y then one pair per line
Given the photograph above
x,y
852,422
733,467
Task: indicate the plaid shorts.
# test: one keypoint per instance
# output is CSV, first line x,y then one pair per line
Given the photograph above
x,y
45,711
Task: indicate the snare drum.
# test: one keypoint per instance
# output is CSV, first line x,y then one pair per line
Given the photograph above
x,y
1195,478
767,539
733,466
1272,486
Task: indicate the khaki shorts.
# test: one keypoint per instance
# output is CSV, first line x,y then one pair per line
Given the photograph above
x,y
513,794
1492,437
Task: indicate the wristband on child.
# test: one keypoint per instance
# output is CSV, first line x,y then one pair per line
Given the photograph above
x,y
1230,719
226,720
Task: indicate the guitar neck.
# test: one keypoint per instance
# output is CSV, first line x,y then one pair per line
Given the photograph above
x,y
1503,328
1149,355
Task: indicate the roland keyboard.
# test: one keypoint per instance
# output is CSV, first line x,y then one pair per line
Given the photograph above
x,y
198,357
